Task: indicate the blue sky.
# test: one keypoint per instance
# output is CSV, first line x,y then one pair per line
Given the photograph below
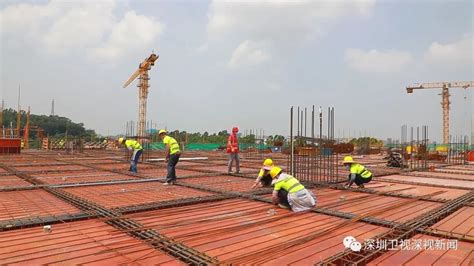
x,y
240,63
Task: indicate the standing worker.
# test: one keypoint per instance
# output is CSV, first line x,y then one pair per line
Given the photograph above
x,y
289,193
264,178
172,152
358,173
137,149
233,150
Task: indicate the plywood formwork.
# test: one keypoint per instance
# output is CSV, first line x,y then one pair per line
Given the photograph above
x,y
461,223
121,166
80,177
446,176
199,213
416,190
7,181
361,203
461,255
86,243
222,168
223,182
430,181
54,167
112,196
234,228
32,204
162,172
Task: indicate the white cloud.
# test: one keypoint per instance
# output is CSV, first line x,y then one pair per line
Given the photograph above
x,y
374,61
281,25
132,32
25,17
279,20
249,53
455,54
78,26
87,28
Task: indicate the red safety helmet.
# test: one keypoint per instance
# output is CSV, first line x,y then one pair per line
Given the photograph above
x,y
235,129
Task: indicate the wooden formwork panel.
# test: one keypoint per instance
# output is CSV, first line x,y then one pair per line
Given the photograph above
x,y
233,228
122,195
77,243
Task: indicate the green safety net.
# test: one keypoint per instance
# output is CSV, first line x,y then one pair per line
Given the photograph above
x,y
204,146
201,147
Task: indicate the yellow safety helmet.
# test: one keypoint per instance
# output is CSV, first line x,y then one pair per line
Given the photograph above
x,y
120,140
161,132
348,159
268,162
275,171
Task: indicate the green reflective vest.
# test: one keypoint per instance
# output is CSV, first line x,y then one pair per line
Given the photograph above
x,y
133,145
172,143
359,169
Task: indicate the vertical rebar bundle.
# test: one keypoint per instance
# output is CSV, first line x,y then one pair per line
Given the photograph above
x,y
307,161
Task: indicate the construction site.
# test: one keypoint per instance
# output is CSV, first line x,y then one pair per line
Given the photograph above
x,y
149,194
75,203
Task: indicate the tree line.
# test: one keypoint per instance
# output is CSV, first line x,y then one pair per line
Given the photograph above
x,y
54,126
221,138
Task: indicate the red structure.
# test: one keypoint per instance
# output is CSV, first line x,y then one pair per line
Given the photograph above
x,y
10,145
470,156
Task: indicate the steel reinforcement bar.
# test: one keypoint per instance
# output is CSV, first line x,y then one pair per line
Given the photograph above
x,y
133,228
403,231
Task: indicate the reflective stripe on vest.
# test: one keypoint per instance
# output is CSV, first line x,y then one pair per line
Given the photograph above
x,y
360,170
292,187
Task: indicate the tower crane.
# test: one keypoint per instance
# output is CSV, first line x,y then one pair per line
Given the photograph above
x,y
143,86
445,86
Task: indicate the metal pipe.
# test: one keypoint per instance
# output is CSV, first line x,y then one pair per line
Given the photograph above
x,y
298,123
305,122
292,147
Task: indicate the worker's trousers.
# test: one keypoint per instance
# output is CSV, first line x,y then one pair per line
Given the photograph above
x,y
172,162
283,198
134,160
358,179
233,157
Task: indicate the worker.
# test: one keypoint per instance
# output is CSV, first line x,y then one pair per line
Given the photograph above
x,y
172,153
358,173
233,151
264,178
137,149
289,193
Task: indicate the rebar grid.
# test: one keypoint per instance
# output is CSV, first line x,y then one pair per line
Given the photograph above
x,y
403,231
254,196
161,242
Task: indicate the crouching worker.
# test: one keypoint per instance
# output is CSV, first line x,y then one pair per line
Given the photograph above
x,y
137,149
289,193
264,179
358,173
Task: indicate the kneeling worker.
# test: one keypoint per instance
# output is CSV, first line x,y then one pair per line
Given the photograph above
x,y
137,151
172,156
358,173
289,193
264,179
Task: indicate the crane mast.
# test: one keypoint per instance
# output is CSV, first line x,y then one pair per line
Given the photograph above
x,y
445,103
142,74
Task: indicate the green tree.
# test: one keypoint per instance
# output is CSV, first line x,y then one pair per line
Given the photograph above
x,y
52,125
